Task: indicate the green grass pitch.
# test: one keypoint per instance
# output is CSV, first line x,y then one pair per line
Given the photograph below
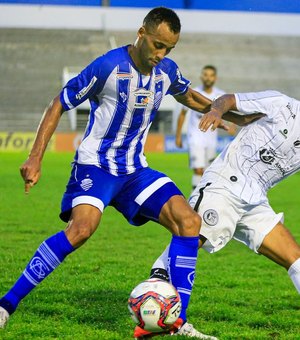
x,y
237,295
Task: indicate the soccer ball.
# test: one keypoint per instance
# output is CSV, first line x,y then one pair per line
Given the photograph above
x,y
154,305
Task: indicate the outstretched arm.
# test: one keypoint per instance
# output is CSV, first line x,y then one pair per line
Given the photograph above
x,y
31,169
222,107
195,101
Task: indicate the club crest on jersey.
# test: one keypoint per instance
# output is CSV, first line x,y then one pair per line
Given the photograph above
x,y
142,98
267,156
211,217
124,76
86,89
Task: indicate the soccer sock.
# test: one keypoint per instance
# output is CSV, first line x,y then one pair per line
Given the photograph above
x,y
294,273
196,180
160,267
48,256
182,265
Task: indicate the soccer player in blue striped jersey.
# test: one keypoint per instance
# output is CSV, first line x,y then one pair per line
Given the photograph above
x,y
125,88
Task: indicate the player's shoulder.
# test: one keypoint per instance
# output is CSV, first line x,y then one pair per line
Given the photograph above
x,y
167,65
113,57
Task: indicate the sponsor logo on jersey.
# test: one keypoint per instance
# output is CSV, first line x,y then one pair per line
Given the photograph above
x,y
179,76
86,184
284,133
142,98
124,76
297,144
293,115
86,89
267,156
211,217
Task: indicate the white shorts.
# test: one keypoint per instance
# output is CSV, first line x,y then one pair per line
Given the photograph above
x,y
225,216
200,157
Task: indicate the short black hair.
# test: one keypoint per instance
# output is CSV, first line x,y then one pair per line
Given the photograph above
x,y
162,14
210,67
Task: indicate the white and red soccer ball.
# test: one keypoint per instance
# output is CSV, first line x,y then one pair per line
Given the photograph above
x,y
154,305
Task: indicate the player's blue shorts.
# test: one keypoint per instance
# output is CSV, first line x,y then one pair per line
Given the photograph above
x,y
139,196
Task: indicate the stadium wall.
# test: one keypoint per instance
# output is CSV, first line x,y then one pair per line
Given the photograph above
x,y
68,142
211,19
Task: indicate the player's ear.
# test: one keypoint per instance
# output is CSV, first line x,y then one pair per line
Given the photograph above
x,y
141,32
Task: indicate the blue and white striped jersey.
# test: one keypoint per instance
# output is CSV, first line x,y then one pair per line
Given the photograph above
x,y
123,105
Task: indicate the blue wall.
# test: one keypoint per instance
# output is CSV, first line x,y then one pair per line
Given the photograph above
x,y
281,6
55,2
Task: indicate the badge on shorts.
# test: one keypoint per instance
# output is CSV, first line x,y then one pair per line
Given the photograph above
x,y
211,217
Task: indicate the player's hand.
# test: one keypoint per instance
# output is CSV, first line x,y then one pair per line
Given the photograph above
x,y
31,172
178,142
212,120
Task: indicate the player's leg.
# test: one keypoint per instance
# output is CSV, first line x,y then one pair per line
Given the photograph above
x,y
219,217
82,207
262,231
150,195
178,216
51,253
280,246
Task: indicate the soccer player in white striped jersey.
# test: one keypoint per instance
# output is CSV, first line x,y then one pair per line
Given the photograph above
x,y
231,197
125,88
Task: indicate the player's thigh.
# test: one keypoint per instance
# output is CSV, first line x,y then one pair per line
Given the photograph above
x,y
178,216
255,224
220,213
197,156
89,185
83,223
280,246
144,195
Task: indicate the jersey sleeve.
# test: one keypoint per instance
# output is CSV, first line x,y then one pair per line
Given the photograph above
x,y
86,84
258,102
179,84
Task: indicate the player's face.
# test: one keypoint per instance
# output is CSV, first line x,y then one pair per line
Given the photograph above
x,y
208,78
154,44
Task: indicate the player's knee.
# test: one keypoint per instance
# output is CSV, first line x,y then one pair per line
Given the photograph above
x,y
191,224
80,231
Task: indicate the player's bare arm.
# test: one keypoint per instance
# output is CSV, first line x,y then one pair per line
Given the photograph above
x,y
195,101
31,169
222,107
180,122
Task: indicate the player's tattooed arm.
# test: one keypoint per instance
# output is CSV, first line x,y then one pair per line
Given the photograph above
x,y
31,169
222,107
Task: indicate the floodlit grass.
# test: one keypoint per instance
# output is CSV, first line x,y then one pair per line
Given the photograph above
x,y
237,295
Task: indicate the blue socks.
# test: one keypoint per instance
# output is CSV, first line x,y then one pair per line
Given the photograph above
x,y
183,254
48,256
